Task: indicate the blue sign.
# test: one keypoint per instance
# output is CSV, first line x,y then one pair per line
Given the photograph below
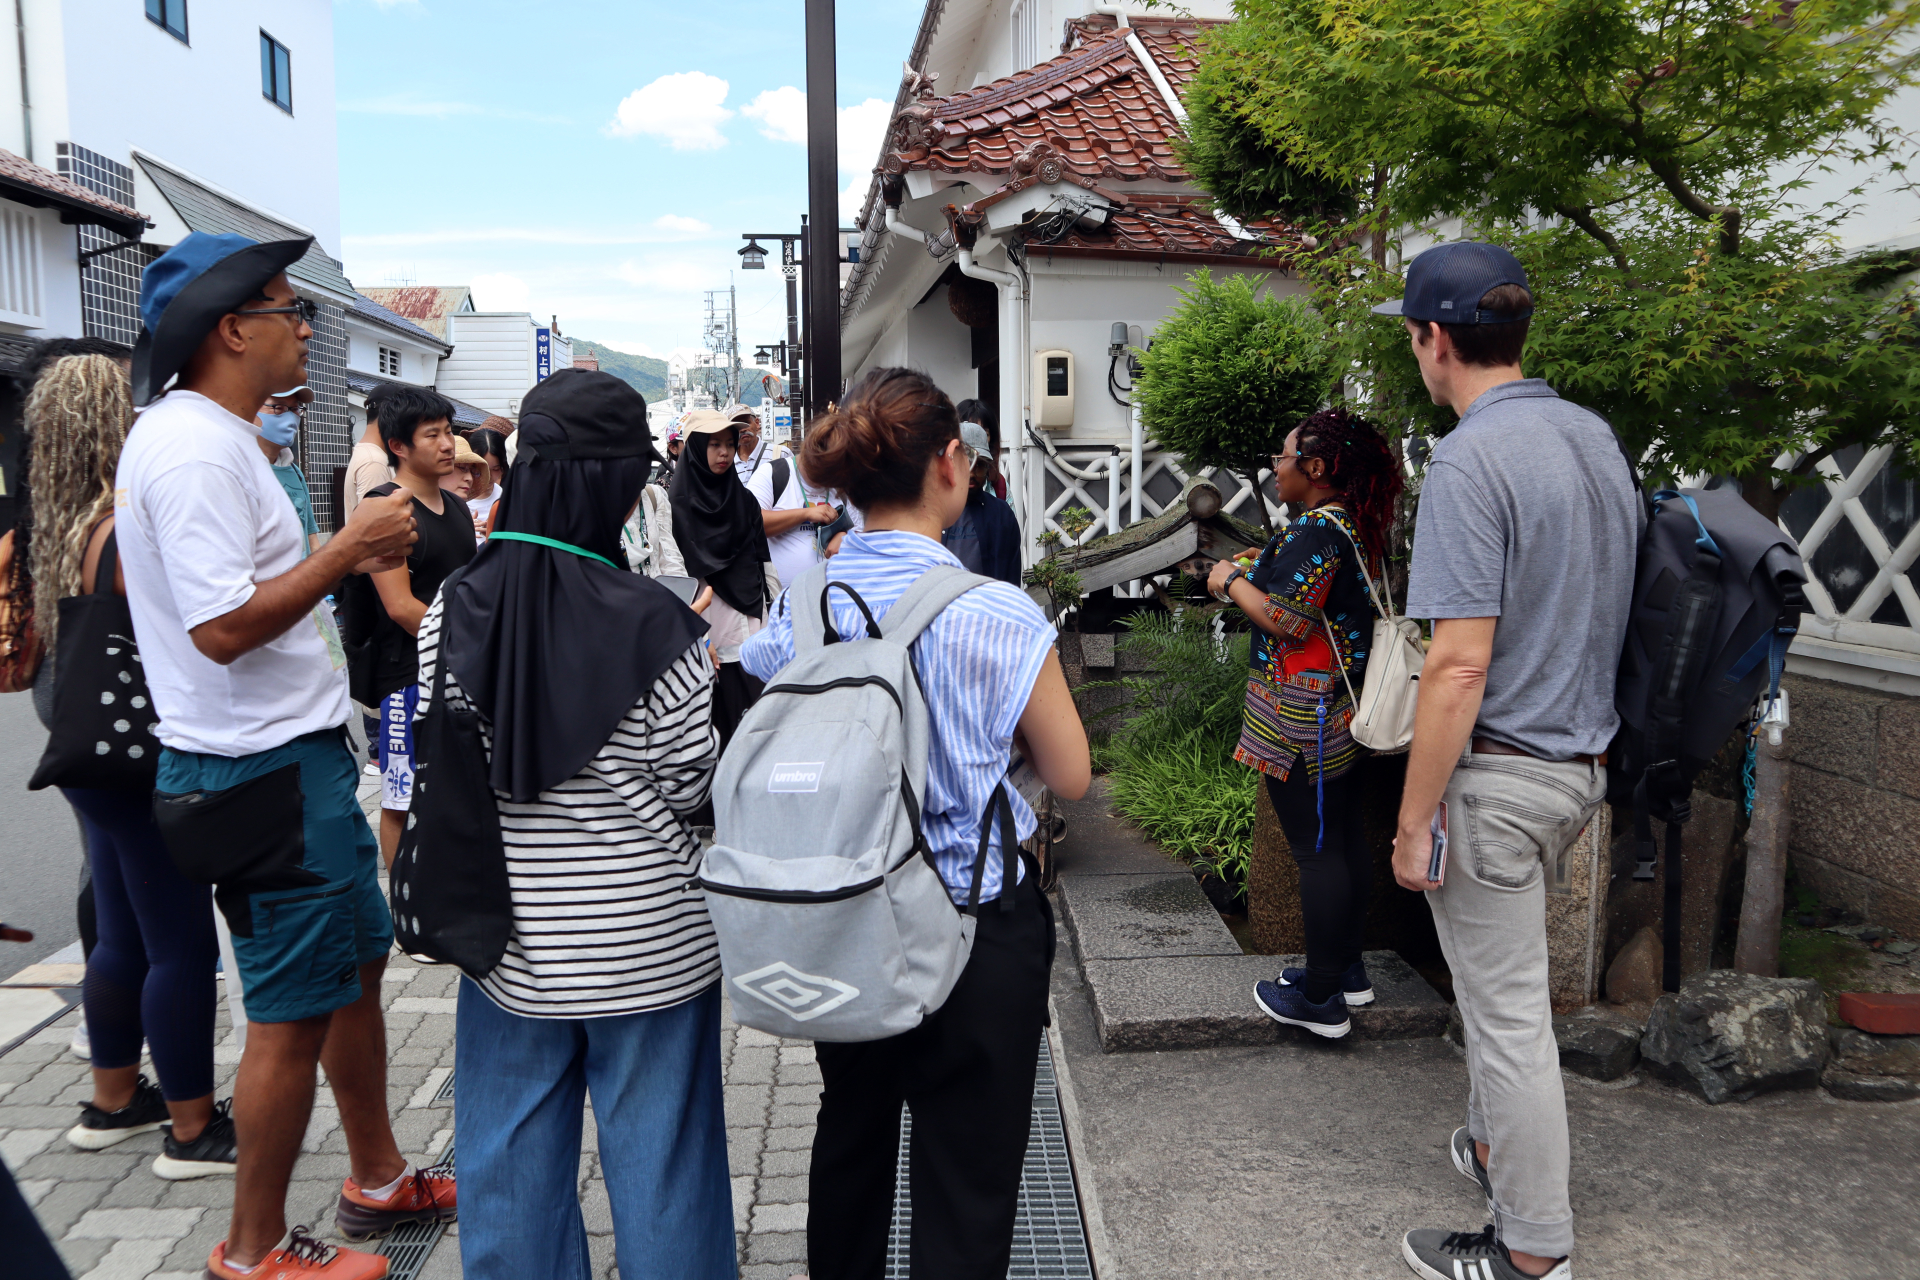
x,y
542,354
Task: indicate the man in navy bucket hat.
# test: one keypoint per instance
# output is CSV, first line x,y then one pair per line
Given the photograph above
x,y
257,787
1523,556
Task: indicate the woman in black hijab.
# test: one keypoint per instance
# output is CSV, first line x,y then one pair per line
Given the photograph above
x,y
723,539
594,691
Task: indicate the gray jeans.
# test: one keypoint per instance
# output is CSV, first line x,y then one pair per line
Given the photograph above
x,y
1507,816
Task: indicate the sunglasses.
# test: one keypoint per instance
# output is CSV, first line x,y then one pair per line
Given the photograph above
x,y
305,308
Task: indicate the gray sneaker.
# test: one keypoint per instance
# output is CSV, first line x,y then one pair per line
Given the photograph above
x,y
1466,1158
1461,1255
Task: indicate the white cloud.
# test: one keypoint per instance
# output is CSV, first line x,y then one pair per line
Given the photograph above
x,y
673,222
673,276
499,292
685,108
860,129
854,199
782,114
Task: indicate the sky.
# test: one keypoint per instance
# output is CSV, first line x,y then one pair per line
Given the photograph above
x,y
597,161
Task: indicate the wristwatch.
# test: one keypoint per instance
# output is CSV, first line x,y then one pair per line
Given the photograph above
x,y
1225,594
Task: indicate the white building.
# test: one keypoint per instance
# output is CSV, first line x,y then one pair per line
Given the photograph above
x,y
495,357
1027,202
204,115
384,347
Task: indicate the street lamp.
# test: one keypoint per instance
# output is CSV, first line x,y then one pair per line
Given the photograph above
x,y
753,257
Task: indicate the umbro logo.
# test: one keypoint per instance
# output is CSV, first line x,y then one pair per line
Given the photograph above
x,y
801,996
802,776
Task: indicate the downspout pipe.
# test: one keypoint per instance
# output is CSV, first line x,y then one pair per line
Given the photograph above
x,y
1013,423
1138,432
900,227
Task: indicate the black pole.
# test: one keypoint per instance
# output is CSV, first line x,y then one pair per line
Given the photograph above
x,y
806,324
822,261
790,267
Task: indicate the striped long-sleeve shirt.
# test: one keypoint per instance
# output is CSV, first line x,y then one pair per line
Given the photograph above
x,y
606,917
978,662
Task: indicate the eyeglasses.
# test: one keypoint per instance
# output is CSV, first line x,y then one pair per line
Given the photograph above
x,y
1279,458
305,308
973,454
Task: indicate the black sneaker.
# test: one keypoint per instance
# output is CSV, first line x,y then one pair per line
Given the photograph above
x,y
1289,1005
99,1129
1461,1255
210,1154
1466,1158
1354,983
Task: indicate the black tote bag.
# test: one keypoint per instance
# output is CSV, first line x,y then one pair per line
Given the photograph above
x,y
448,887
105,730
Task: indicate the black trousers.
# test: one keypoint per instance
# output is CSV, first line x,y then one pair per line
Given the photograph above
x,y
1336,881
967,1075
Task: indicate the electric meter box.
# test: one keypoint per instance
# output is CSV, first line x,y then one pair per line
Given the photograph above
x,y
1053,379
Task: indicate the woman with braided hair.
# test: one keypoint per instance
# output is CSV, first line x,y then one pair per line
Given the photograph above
x,y
150,976
1307,595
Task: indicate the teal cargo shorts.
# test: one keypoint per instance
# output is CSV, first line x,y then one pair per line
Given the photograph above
x,y
300,950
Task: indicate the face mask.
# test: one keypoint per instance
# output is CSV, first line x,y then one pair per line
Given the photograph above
x,y
279,428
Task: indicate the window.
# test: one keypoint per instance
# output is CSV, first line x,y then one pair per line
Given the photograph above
x,y
276,72
170,14
389,363
1026,34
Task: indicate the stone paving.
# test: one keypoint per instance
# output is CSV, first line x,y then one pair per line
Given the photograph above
x,y
114,1220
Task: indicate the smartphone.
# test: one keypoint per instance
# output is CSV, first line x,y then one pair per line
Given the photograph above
x,y
1437,864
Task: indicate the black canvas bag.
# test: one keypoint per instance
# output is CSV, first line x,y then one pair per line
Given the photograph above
x,y
104,726
448,887
1717,598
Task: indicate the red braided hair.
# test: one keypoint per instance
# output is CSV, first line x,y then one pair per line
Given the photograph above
x,y
1360,467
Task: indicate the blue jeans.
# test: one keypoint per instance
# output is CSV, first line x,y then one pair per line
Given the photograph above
x,y
655,1083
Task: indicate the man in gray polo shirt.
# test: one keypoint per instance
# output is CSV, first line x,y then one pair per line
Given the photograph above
x,y
1523,556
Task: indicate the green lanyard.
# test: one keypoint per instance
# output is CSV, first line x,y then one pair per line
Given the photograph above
x,y
555,543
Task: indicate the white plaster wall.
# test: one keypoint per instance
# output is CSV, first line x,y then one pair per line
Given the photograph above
x,y
1076,312
891,349
52,257
418,363
492,361
118,82
941,347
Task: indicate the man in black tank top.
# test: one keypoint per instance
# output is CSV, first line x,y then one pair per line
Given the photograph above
x,y
416,425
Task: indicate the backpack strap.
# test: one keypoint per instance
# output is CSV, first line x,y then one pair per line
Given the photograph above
x,y
999,808
782,472
922,602
803,598
108,562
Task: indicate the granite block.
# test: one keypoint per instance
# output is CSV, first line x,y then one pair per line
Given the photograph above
x,y
1200,1002
1126,917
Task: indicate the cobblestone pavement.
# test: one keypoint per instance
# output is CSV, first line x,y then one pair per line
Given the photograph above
x,y
114,1220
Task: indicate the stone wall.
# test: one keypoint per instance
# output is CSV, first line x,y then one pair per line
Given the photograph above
x,y
1855,795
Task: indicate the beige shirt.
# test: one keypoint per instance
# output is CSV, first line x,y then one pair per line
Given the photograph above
x,y
366,469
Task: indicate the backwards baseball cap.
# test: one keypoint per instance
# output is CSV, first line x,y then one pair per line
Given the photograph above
x,y
1446,283
186,290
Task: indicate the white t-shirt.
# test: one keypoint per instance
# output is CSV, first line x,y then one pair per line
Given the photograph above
x,y
201,519
794,552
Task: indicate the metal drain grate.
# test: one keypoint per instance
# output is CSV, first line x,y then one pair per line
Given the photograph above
x,y
1049,1239
407,1247
446,1090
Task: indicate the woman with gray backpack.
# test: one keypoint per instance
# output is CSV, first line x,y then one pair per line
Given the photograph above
x,y
978,679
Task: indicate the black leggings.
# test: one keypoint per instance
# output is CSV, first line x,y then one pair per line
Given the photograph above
x,y
1336,881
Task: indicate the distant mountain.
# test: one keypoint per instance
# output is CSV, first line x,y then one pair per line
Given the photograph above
x,y
643,373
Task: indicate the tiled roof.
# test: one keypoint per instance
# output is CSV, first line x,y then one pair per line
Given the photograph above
x,y
24,182
367,309
1096,105
1170,228
465,416
426,305
204,209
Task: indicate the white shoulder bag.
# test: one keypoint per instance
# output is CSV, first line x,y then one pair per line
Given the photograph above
x,y
1384,707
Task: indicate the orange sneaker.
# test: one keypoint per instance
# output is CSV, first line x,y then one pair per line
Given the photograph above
x,y
301,1258
425,1195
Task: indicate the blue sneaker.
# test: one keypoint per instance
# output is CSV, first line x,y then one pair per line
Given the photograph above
x,y
1289,1005
1354,984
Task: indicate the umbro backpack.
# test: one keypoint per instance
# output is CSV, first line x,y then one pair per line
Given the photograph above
x,y
833,922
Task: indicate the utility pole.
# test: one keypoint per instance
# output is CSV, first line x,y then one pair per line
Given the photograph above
x,y
822,258
1756,947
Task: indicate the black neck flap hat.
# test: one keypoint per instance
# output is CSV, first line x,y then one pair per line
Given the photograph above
x,y
716,523
550,635
186,290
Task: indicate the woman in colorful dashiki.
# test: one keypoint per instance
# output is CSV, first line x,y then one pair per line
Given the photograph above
x,y
1307,597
